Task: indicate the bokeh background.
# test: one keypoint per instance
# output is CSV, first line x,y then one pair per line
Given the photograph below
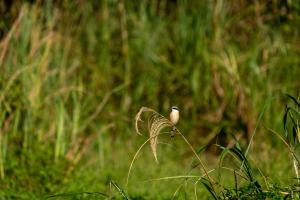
x,y
73,75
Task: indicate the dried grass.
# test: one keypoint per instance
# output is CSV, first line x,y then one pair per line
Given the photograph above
x,y
156,123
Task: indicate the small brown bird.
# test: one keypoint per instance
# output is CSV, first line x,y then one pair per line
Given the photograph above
x,y
174,118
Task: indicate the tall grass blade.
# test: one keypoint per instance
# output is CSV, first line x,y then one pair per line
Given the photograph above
x,y
245,163
119,189
2,118
210,189
294,100
60,143
76,116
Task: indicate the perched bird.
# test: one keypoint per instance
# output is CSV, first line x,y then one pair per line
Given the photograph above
x,y
174,118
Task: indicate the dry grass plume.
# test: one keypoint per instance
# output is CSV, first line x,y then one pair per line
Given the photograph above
x,y
156,123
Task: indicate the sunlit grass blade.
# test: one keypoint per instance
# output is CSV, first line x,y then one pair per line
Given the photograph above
x,y
119,189
60,140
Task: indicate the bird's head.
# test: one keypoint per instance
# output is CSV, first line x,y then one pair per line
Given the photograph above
x,y
175,108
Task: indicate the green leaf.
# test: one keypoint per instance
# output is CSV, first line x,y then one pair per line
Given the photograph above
x,y
121,192
294,100
210,189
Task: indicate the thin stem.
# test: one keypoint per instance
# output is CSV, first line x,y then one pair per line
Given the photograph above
x,y
193,150
296,169
136,154
288,146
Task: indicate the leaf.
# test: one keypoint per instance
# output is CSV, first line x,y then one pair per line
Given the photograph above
x,y
222,157
295,135
245,163
294,100
285,120
210,189
201,149
122,193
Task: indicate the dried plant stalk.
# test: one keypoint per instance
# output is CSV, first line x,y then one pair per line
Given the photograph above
x,y
156,123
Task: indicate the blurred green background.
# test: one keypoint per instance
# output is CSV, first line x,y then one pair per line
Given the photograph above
x,y
73,74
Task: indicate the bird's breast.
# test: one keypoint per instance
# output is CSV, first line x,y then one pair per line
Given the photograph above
x,y
174,117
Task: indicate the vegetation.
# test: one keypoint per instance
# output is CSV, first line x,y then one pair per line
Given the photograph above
x,y
246,185
73,75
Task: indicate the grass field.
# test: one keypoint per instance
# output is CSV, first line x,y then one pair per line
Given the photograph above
x,y
74,74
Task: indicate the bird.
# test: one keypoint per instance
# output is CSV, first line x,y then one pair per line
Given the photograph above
x,y
174,118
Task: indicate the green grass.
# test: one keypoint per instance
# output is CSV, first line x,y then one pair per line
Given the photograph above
x,y
73,75
235,177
